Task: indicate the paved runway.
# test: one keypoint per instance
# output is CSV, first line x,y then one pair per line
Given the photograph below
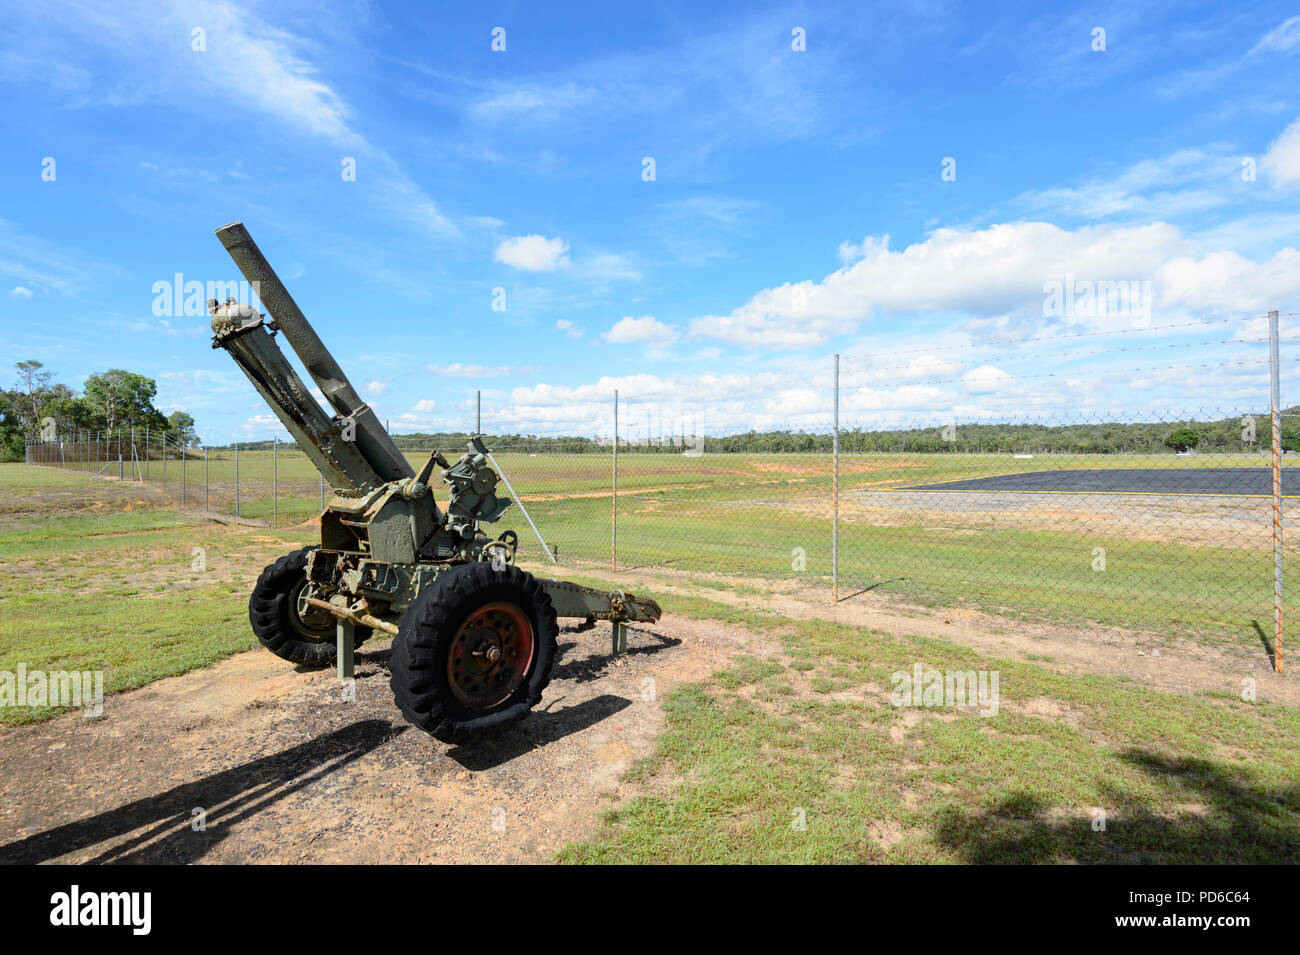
x,y
1218,481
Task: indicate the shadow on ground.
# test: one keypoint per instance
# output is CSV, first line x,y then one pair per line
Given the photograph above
x,y
1223,820
228,797
542,726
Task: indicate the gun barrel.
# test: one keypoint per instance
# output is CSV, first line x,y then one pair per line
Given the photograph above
x,y
372,440
255,352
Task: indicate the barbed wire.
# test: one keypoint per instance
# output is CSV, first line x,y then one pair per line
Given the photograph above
x,y
1075,374
1111,351
674,390
1023,341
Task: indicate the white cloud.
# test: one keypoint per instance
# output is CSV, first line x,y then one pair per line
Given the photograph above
x,y
1000,271
569,328
986,379
423,406
1282,161
533,253
250,64
458,370
376,388
1226,281
22,292
1282,38
645,329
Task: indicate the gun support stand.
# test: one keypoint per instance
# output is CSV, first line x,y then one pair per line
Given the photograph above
x,y
345,650
619,636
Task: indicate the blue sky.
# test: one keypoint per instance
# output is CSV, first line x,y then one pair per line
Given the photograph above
x,y
799,205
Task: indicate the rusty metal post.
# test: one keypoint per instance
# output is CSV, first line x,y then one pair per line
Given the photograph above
x,y
275,480
205,480
164,458
182,474
236,482
478,412
146,454
835,484
1275,402
613,501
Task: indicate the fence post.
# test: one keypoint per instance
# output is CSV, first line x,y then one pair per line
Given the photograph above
x,y
182,474
164,458
275,480
236,482
1275,402
205,480
478,412
146,454
613,502
835,485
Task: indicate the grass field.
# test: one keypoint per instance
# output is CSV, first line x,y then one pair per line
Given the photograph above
x,y
770,516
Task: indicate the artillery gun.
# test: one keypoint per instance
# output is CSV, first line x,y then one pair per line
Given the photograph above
x,y
474,635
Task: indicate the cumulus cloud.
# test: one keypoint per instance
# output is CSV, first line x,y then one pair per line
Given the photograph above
x,y
998,271
986,379
533,253
1282,161
569,328
376,388
646,330
22,292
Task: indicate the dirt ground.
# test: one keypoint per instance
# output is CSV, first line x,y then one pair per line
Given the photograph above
x,y
286,772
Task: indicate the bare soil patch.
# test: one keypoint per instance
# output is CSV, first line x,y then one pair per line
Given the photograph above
x,y
287,772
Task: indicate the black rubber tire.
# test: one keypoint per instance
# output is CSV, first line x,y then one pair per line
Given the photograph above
x,y
273,613
424,638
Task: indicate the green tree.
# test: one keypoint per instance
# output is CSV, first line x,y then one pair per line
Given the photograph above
x,y
34,385
124,399
181,424
11,429
1184,439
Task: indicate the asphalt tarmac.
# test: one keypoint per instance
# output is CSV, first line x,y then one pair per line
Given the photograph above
x,y
1233,482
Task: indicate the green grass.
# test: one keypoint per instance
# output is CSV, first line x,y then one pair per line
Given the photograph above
x,y
767,517
125,593
1181,779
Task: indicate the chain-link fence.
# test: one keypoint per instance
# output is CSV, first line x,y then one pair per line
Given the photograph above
x,y
263,482
1169,522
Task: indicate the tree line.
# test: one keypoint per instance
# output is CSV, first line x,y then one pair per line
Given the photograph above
x,y
1239,433
38,407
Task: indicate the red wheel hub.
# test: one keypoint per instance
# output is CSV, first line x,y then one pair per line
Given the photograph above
x,y
490,655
